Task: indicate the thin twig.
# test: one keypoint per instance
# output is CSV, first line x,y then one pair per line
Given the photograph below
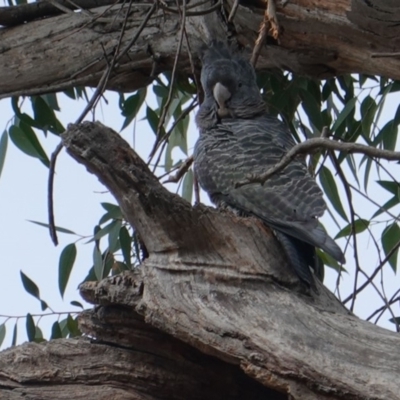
x,y
377,269
262,35
193,13
384,55
347,190
96,95
138,32
396,218
269,24
196,187
184,167
383,308
233,10
166,137
313,144
171,84
50,189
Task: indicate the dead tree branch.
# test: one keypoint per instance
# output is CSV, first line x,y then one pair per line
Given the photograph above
x,y
311,145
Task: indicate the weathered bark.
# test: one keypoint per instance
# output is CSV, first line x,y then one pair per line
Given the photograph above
x,y
217,283
321,39
130,360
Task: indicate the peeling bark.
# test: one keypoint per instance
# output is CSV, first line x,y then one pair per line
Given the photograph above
x,y
320,39
129,360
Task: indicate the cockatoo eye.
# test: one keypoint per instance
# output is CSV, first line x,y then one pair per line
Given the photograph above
x,y
240,84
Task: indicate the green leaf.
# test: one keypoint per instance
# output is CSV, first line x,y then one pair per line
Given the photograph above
x,y
15,334
38,335
30,286
104,231
113,237
45,116
2,333
30,327
152,118
330,261
360,225
64,327
70,93
368,110
98,263
51,100
329,185
22,116
168,157
395,320
387,206
56,332
113,209
390,238
28,143
108,264
351,163
389,135
187,186
73,327
160,91
67,259
43,305
349,107
126,245
3,149
131,106
76,304
58,229
312,109
390,186
368,166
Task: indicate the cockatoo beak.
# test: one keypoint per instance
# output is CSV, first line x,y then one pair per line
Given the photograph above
x,y
221,96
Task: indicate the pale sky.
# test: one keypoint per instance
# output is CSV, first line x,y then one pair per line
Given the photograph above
x,y
27,247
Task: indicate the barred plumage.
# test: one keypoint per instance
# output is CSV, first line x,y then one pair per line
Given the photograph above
x,y
238,138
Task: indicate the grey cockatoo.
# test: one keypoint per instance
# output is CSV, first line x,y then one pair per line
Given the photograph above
x,y
238,138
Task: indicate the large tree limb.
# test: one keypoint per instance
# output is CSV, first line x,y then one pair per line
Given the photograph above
x,y
318,38
220,284
129,360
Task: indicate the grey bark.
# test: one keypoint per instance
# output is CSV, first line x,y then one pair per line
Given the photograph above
x,y
215,284
320,39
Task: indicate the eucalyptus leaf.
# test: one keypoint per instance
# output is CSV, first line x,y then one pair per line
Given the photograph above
x,y
15,334
2,333
98,263
329,185
3,149
390,238
66,262
58,229
30,327
56,332
349,107
126,245
360,225
30,286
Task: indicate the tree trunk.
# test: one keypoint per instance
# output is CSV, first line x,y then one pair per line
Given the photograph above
x,y
213,313
321,39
